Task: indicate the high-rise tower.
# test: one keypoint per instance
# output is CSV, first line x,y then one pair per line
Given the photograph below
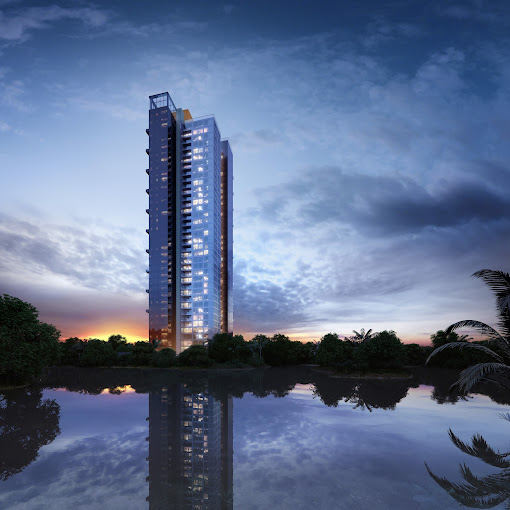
x,y
190,227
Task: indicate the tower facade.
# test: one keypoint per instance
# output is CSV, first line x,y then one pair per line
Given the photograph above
x,y
190,227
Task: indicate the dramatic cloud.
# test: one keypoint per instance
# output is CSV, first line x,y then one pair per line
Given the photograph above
x,y
371,157
385,205
98,258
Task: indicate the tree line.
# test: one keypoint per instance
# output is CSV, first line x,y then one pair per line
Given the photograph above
x,y
27,345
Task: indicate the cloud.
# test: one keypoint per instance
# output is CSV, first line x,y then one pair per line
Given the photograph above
x,y
91,470
114,108
7,128
266,306
14,95
18,25
255,140
95,257
473,10
382,205
382,31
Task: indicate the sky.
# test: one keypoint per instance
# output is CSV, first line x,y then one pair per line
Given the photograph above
x,y
371,147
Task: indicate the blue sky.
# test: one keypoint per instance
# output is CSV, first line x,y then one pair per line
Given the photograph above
x,y
371,149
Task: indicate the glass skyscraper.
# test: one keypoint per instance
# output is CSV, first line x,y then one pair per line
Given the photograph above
x,y
190,227
190,450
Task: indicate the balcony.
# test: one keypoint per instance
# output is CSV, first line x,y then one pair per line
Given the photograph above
x,y
147,211
147,290
146,310
147,250
147,171
147,230
147,271
147,130
147,151
147,191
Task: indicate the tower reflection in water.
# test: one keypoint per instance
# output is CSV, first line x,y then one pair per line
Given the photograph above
x,y
190,450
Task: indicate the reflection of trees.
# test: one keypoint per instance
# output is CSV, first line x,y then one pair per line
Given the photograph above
x,y
26,423
487,491
276,381
366,394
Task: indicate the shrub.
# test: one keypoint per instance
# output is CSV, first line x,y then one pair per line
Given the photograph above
x,y
225,347
194,356
142,353
383,351
164,358
71,351
416,354
276,352
97,353
333,351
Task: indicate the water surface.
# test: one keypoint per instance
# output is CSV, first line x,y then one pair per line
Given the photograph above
x,y
273,438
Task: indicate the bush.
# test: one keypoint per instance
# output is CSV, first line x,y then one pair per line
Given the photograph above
x,y
416,355
164,358
225,347
97,353
383,351
333,351
26,344
194,356
70,351
142,353
276,352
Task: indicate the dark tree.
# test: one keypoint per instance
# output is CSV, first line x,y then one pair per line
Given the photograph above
x,y
164,358
26,344
383,351
225,347
117,341
332,350
194,356
26,423
97,353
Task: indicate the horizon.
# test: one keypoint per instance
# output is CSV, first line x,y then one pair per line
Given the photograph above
x,y
370,145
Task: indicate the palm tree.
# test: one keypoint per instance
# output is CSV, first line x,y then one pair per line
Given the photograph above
x,y
487,491
499,282
361,336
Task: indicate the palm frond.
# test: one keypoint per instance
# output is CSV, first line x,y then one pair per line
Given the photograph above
x,y
474,374
466,494
491,484
481,450
505,416
499,282
484,329
466,345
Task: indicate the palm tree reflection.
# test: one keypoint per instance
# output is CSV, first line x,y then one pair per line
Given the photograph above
x,y
479,492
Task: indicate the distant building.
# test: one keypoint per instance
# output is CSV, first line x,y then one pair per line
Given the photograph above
x,y
190,227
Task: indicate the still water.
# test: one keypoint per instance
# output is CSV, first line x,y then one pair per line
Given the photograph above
x,y
271,438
